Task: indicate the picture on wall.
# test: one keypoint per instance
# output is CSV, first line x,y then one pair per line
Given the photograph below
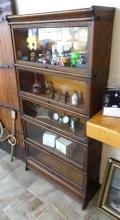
x,y
109,198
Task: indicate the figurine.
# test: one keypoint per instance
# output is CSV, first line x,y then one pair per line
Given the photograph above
x,y
74,58
32,43
48,57
40,56
63,61
44,61
81,63
32,56
75,98
55,59
24,58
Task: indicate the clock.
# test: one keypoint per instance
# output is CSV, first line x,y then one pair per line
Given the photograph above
x,y
65,119
55,116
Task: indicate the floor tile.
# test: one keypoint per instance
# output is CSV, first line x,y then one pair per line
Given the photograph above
x,y
7,166
95,214
71,208
9,190
3,216
26,178
24,207
3,153
16,163
24,195
44,190
51,213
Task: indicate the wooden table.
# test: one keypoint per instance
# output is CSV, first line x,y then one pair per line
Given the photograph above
x,y
105,129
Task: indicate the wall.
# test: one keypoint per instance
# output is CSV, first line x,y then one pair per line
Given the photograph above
x,y
36,6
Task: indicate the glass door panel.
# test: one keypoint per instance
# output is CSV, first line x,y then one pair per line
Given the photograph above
x,y
58,46
56,143
57,89
60,168
59,120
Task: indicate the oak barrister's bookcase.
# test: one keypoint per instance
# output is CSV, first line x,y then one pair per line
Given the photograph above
x,y
62,65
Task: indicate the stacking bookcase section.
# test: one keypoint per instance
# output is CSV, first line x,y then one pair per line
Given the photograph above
x,y
56,46
58,89
59,119
62,65
69,175
66,148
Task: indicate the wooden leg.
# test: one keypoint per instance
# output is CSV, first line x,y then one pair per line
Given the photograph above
x,y
26,167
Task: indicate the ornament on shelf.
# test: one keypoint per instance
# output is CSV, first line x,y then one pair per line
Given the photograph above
x,y
75,98
73,124
66,95
37,86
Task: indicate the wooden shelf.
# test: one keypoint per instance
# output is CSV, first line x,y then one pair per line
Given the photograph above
x,y
105,129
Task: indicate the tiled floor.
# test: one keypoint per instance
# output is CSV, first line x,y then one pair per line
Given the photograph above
x,y
26,196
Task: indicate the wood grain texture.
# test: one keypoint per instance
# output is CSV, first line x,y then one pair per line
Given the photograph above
x,y
78,14
8,86
105,129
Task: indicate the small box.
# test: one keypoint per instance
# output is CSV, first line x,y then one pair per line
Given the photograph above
x,y
49,139
65,146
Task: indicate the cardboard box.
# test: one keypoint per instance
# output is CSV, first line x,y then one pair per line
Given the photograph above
x,y
65,146
49,139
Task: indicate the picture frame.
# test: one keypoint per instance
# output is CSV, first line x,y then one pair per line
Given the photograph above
x,y
109,197
111,102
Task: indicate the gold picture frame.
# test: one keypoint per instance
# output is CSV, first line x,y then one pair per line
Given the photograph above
x,y
109,197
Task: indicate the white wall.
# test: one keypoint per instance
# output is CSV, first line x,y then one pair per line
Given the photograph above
x,y
36,6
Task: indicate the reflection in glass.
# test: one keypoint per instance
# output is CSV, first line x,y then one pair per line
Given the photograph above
x,y
114,193
65,122
55,46
55,143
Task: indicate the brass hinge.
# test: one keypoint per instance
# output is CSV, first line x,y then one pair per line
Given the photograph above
x,y
9,107
6,66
